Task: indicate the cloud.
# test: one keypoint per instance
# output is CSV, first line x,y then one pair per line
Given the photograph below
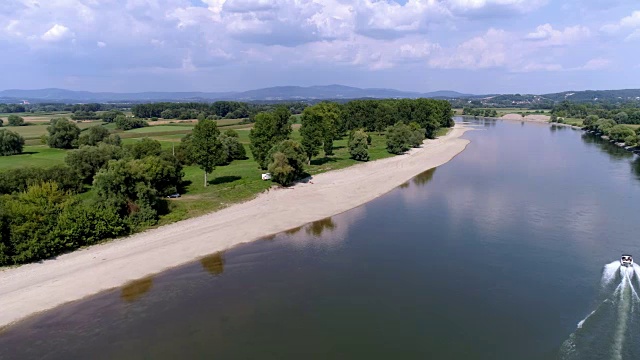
x,y
101,44
489,50
547,35
56,33
493,8
596,64
628,22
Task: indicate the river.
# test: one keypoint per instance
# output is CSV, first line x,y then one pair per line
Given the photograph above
x,y
498,254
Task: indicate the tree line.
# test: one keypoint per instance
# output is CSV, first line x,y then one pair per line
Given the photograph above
x,y
212,111
621,113
406,122
617,132
479,112
51,107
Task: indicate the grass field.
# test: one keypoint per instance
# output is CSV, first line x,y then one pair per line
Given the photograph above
x,y
241,180
37,156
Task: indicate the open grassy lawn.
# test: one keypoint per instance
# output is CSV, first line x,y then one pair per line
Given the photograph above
x,y
160,129
37,156
35,131
241,180
573,121
39,117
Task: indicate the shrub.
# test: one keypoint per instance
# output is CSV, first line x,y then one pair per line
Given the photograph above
x,y
619,133
287,162
631,140
19,179
15,120
11,143
358,146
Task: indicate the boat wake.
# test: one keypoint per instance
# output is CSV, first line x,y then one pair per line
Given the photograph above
x,y
612,330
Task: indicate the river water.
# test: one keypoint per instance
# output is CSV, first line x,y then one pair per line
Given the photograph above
x,y
498,254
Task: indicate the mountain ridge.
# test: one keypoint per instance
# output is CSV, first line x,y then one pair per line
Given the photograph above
x,y
316,92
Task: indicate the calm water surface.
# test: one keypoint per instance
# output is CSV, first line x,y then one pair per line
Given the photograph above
x,y
497,254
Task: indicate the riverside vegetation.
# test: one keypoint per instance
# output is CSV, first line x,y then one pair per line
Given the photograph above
x,y
104,184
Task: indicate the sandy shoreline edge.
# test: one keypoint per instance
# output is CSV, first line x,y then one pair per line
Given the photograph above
x,y
33,288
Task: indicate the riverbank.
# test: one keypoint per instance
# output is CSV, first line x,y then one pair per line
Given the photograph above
x,y
33,288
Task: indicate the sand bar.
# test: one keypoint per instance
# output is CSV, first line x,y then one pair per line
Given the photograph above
x,y
37,287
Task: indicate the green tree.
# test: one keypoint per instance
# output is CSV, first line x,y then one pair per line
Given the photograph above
x,y
631,140
330,114
88,160
385,116
619,133
399,138
287,162
143,148
417,134
126,123
268,130
113,139
358,146
15,120
110,116
93,136
312,132
589,120
63,134
11,143
621,118
604,125
207,148
31,216
233,149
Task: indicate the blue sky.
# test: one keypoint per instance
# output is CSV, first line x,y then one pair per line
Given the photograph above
x,y
475,46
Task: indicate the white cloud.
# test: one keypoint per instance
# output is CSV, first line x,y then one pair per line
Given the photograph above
x,y
486,51
518,6
101,44
596,64
56,33
628,22
547,35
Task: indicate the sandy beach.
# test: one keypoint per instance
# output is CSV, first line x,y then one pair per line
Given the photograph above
x,y
529,117
37,287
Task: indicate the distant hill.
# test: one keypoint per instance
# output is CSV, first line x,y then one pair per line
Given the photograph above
x,y
266,94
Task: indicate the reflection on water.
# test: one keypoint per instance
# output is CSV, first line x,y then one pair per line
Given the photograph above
x,y
316,228
214,263
635,167
135,289
269,237
294,230
614,151
425,177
